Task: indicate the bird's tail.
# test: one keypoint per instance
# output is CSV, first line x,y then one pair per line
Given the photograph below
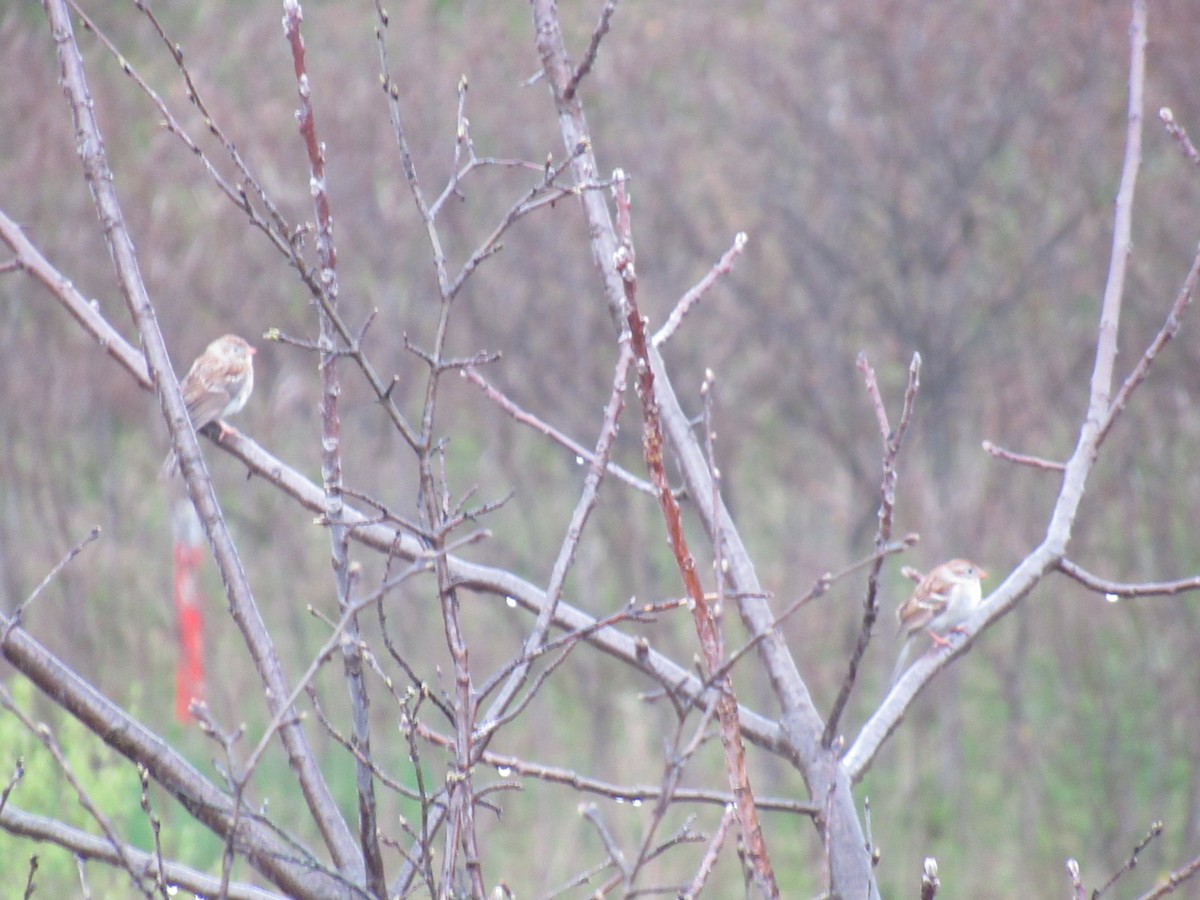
x,y
901,661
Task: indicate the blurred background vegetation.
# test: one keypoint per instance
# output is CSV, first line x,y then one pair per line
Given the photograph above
x,y
913,177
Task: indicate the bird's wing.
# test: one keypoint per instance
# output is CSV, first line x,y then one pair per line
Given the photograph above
x,y
205,403
927,602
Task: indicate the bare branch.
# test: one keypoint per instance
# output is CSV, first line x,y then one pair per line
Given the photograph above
x,y
631,612
241,601
723,267
272,224
14,619
1177,131
892,440
17,775
400,541
1168,330
570,543
1173,880
800,723
1022,459
88,846
507,765
160,875
1156,830
615,855
1115,590
820,587
589,56
703,615
331,460
709,859
46,738
526,418
338,637
1058,531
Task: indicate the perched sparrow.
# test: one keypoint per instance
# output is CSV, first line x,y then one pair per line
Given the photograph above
x,y
941,602
217,385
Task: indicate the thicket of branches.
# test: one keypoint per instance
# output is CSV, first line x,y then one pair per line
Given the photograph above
x,y
612,384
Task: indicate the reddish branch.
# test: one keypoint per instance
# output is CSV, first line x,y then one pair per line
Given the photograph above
x,y
706,630
331,461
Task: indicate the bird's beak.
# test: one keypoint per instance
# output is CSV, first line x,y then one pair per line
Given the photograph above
x,y
253,350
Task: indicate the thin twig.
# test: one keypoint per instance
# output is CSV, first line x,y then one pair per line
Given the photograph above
x,y
579,880
273,225
723,267
1177,131
1174,879
160,873
46,738
581,453
14,620
1156,830
709,860
1114,590
30,884
17,775
673,769
563,562
1170,327
589,55
1022,459
588,811
621,793
630,612
336,638
892,441
347,744
820,587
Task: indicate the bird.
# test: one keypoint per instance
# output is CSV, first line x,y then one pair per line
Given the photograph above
x,y
217,385
939,604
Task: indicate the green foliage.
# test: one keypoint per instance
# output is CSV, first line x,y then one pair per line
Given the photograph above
x,y
109,782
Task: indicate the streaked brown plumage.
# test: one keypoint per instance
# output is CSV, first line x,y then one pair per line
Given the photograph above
x,y
217,385
942,601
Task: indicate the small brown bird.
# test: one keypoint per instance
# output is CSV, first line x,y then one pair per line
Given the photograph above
x,y
217,385
940,603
